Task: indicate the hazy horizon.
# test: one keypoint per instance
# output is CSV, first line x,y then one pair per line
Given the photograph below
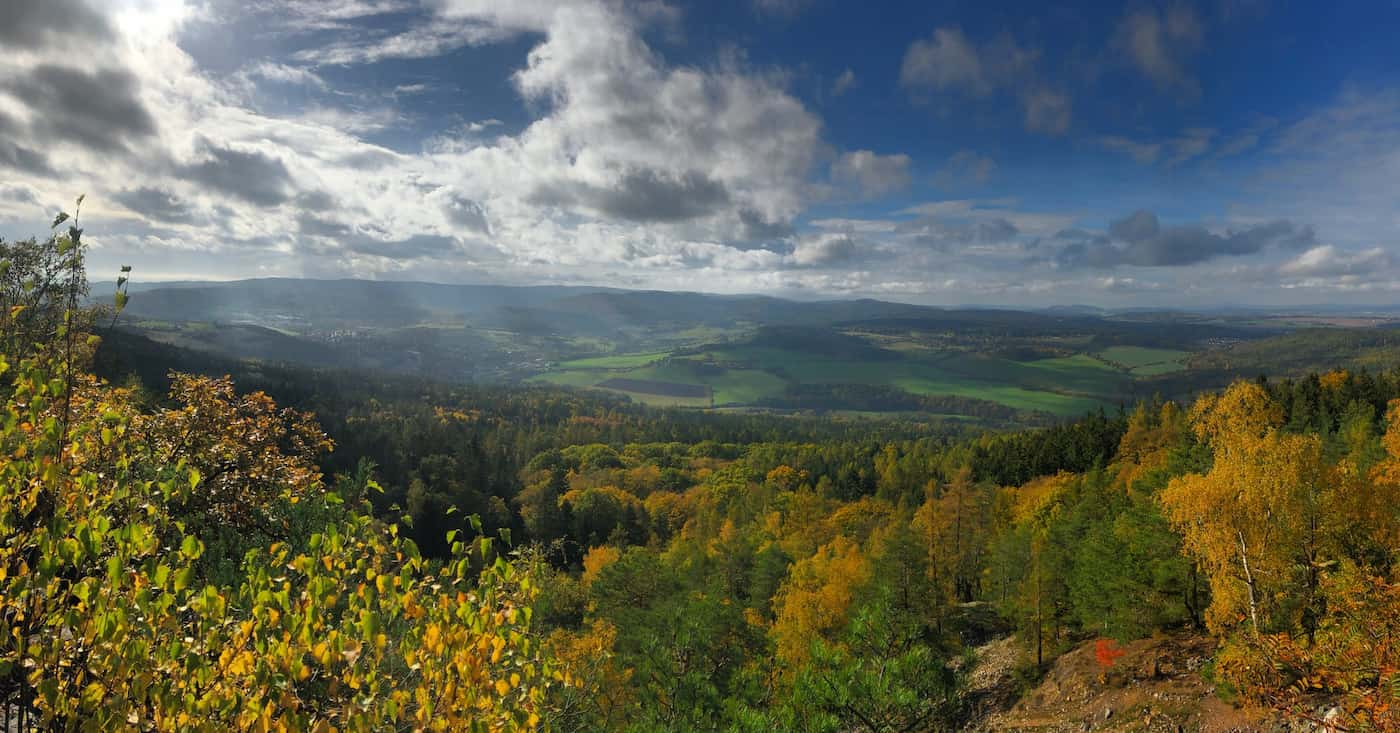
x,y
1178,155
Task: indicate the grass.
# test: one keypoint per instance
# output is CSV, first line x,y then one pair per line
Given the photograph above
x,y
1141,361
1027,386
1009,395
656,400
1076,374
731,386
580,378
746,374
615,361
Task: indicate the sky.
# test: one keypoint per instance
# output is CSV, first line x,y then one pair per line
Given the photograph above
x,y
1120,154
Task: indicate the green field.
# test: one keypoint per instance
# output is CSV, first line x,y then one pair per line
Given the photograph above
x,y
747,374
730,386
615,361
1145,362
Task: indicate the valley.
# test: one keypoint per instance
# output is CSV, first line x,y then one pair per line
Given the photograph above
x,y
754,353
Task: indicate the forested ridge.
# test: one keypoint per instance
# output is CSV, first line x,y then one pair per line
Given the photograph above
x,y
299,550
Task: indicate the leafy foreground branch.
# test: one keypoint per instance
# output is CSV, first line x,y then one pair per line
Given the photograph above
x,y
117,613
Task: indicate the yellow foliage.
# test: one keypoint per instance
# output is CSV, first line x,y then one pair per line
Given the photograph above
x,y
597,559
857,520
816,597
598,689
1334,379
352,631
1256,511
1038,498
1148,441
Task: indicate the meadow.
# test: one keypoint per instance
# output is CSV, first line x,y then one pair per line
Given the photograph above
x,y
750,374
1145,362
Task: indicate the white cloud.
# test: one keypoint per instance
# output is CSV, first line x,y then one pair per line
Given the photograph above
x,y
618,166
1190,144
631,167
1047,111
433,38
782,8
965,167
873,174
285,74
825,250
1328,261
949,61
1159,44
845,82
1144,153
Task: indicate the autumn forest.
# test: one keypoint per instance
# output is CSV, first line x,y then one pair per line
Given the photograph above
x,y
191,542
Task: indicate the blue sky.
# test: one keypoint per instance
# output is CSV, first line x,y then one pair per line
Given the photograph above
x,y
1139,153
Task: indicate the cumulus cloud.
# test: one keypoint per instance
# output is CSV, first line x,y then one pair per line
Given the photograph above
x,y
945,236
642,195
965,167
18,196
250,175
30,24
1047,110
615,164
825,250
100,110
871,173
1140,240
466,213
156,204
624,162
949,61
15,155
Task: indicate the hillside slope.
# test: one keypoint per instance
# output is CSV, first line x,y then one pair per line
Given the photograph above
x,y
1156,685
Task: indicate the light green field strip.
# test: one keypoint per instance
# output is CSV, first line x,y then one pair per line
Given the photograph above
x,y
615,361
1146,362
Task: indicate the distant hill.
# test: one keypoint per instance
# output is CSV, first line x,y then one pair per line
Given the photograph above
x,y
744,351
337,303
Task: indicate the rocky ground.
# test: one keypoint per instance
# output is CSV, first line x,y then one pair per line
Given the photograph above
x,y
1156,685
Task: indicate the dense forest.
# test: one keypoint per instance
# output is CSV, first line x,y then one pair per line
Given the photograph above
x,y
314,550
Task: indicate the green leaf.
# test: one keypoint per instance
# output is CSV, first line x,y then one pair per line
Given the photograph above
x,y
62,217
369,624
183,578
191,547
